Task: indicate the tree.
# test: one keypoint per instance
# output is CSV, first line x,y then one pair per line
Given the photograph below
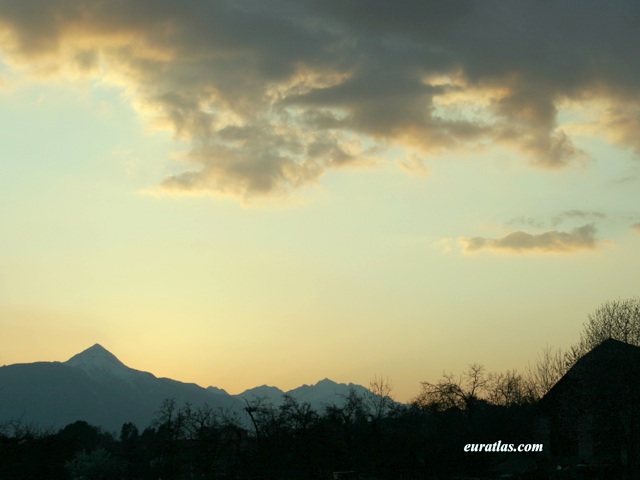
x,y
298,417
262,414
617,319
95,465
379,398
448,392
510,388
352,411
170,429
550,366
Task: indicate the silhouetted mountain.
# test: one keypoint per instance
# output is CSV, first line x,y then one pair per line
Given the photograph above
x,y
97,387
218,391
271,394
325,392
97,362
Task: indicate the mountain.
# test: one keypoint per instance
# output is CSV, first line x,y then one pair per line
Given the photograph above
x,y
325,392
218,391
97,387
98,362
270,394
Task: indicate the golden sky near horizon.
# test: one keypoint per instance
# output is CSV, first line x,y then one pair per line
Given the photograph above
x,y
237,193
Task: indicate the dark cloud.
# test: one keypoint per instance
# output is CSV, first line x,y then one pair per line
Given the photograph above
x,y
580,238
253,159
272,93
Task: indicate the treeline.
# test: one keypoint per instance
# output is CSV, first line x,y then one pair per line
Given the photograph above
x,y
360,437
363,437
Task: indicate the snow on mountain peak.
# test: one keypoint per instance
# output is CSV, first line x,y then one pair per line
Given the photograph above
x,y
327,382
97,360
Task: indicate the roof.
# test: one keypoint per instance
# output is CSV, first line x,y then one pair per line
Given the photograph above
x,y
608,370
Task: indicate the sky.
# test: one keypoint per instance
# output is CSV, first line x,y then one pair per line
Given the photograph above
x,y
247,192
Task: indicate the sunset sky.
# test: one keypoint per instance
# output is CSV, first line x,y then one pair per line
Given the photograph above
x,y
247,192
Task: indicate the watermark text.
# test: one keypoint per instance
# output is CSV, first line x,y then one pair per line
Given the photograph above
x,y
503,447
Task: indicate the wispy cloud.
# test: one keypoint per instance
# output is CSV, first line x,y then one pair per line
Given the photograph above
x,y
567,215
577,214
623,123
272,94
581,238
525,220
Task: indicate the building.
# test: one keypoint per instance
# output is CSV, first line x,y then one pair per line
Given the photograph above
x,y
592,415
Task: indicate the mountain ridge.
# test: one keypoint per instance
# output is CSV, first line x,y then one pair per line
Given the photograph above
x,y
95,386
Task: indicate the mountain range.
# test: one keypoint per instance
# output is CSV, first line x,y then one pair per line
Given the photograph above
x,y
97,387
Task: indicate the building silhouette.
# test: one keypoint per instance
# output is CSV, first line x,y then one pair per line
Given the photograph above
x,y
591,416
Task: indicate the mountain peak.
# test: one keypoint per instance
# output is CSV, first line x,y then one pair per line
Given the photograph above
x,y
98,360
326,382
96,349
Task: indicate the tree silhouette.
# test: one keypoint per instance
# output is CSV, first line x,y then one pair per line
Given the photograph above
x,y
510,388
379,398
449,392
98,464
617,319
549,367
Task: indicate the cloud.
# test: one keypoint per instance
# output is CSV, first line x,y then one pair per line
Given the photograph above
x,y
271,94
525,220
577,214
636,227
444,245
558,219
581,238
622,124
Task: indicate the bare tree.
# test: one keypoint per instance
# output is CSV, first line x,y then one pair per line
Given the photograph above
x,y
295,415
617,319
351,412
170,420
449,392
549,367
379,399
262,414
21,429
510,388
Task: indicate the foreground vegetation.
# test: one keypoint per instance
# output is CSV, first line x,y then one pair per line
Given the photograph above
x,y
369,437
289,441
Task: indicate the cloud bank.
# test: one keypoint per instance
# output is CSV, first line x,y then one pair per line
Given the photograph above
x,y
273,93
581,238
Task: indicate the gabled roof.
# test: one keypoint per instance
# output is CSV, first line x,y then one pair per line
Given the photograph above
x,y
610,369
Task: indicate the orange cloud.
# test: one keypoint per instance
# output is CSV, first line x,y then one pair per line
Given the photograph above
x,y
581,238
